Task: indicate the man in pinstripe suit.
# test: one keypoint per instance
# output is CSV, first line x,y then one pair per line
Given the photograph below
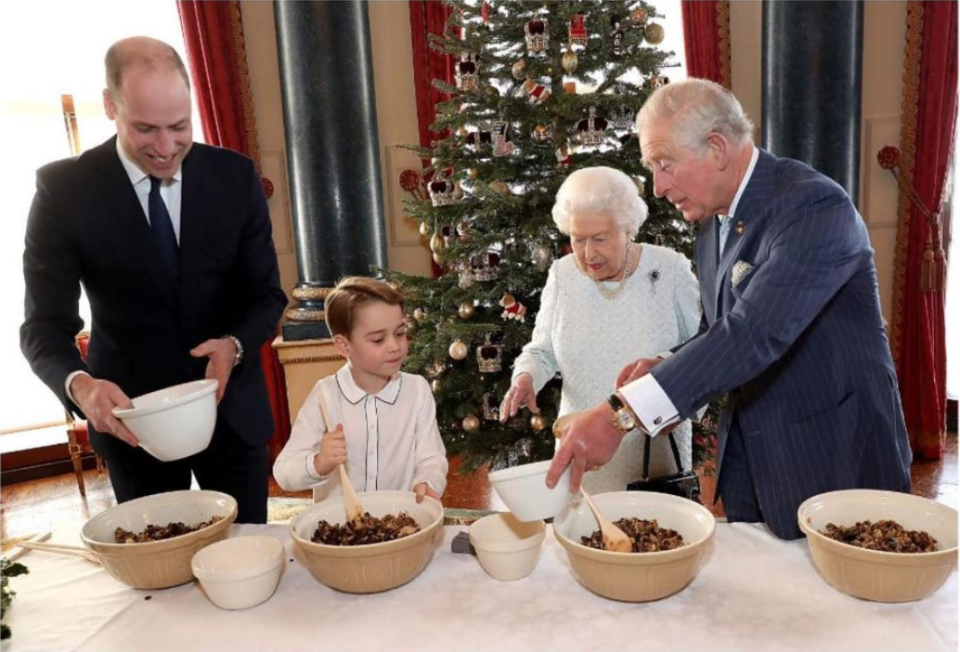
x,y
791,326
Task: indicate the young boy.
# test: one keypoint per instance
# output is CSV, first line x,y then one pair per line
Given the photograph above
x,y
384,422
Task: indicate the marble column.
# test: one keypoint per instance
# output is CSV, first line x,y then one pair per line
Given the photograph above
x,y
330,116
811,85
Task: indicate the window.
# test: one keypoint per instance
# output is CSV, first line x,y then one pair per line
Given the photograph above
x,y
52,49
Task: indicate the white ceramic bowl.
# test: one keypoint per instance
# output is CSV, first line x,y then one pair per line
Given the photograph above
x,y
158,564
872,574
523,491
373,567
637,577
239,573
508,549
175,422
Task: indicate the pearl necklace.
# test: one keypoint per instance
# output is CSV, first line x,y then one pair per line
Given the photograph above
x,y
613,293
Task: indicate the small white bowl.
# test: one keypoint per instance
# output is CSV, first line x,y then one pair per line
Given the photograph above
x,y
239,573
508,549
523,490
175,422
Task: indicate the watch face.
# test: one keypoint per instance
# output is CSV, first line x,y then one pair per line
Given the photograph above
x,y
625,420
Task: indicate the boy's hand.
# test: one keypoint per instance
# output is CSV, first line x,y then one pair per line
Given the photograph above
x,y
333,451
423,489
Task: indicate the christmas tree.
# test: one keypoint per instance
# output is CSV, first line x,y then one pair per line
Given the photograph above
x,y
541,91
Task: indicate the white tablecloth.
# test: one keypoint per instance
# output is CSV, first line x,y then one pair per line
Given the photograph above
x,y
755,593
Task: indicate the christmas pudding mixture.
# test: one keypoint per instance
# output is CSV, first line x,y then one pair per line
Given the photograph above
x,y
885,536
366,529
160,532
646,536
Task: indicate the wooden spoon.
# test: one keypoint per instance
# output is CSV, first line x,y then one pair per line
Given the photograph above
x,y
61,549
351,502
614,539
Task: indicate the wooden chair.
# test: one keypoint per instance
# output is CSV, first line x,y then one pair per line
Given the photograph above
x,y
78,437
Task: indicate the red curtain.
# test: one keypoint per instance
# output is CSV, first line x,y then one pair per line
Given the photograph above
x,y
213,33
706,38
428,17
927,128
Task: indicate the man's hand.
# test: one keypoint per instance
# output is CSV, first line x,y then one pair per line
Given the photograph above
x,y
520,393
221,353
589,441
333,451
635,370
423,489
97,398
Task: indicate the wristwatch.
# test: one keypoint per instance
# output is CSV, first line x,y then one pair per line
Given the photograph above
x,y
236,342
624,419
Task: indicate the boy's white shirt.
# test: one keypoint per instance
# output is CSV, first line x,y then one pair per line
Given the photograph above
x,y
393,442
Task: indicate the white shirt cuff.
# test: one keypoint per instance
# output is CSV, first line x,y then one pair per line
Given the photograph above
x,y
650,403
66,385
665,354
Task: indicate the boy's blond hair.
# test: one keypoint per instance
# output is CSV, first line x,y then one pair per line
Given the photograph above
x,y
352,293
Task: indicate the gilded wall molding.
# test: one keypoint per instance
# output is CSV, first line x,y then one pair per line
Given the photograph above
x,y
723,42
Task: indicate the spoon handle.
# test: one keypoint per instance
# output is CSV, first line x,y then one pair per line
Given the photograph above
x,y
351,502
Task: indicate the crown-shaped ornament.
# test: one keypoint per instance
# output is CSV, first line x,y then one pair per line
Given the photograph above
x,y
537,35
622,118
485,266
467,72
490,357
591,129
442,192
578,30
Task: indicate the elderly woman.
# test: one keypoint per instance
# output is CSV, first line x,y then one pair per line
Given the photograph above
x,y
607,304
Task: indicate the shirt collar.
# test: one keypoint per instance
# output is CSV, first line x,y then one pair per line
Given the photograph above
x,y
133,170
354,393
745,180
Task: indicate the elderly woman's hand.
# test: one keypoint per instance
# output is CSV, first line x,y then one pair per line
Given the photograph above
x,y
635,370
520,393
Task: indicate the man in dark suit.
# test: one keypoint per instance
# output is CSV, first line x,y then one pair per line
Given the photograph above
x,y
172,243
791,325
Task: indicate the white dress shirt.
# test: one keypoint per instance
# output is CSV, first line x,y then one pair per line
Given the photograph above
x,y
646,398
171,191
393,442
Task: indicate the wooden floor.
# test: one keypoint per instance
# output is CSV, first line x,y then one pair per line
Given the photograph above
x,y
55,504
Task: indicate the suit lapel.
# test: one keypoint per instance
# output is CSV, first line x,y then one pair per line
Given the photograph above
x,y
745,222
129,217
191,225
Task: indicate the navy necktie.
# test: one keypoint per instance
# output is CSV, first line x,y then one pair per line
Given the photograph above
x,y
162,228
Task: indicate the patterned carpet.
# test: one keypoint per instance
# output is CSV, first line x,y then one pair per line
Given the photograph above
x,y
284,510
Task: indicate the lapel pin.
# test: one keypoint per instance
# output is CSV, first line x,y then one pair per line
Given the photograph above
x,y
740,227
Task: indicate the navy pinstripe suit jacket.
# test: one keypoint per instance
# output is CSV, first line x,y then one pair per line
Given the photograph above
x,y
798,343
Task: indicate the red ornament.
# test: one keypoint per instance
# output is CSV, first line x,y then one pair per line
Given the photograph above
x,y
410,180
888,157
268,188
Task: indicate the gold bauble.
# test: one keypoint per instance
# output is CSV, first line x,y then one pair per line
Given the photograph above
x,y
419,314
570,61
473,173
458,350
424,228
466,310
457,191
435,386
519,69
470,423
438,258
538,423
501,188
639,16
436,243
654,33
462,132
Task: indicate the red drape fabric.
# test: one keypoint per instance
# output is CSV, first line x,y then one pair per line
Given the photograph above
x,y
213,33
429,17
706,39
919,332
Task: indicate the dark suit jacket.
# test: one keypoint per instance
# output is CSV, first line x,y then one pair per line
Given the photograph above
x,y
87,226
799,343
